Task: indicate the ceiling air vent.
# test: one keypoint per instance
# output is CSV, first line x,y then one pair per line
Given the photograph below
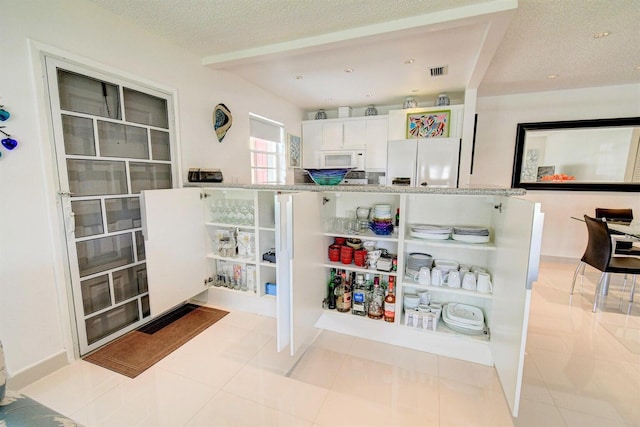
x,y
439,71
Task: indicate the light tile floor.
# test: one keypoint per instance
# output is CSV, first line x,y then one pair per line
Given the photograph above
x,y
582,369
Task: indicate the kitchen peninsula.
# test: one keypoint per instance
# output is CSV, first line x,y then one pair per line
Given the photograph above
x,y
186,230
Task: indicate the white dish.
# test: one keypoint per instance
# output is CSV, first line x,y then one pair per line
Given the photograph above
x,y
476,231
463,330
431,228
469,238
446,264
463,313
459,326
429,236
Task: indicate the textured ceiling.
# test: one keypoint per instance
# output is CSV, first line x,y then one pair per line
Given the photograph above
x,y
488,44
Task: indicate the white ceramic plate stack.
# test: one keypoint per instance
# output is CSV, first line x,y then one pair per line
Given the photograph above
x,y
417,260
471,234
381,212
446,265
463,318
430,232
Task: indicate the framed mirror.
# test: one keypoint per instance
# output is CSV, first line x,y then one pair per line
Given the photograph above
x,y
587,155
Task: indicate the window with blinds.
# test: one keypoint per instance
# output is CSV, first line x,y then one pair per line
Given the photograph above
x,y
266,144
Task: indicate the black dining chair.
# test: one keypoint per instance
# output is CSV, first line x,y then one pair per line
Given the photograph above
x,y
624,245
599,254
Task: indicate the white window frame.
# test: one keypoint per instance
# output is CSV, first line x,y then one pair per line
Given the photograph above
x,y
279,153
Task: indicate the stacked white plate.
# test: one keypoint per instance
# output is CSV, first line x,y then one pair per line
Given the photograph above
x,y
471,234
382,211
417,260
463,318
430,232
446,264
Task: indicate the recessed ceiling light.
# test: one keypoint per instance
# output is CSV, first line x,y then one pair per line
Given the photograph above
x,y
601,34
348,70
552,76
298,77
409,61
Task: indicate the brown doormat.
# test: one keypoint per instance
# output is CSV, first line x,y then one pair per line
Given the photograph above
x,y
137,351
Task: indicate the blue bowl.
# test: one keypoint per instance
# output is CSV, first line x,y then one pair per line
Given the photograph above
x,y
381,228
328,176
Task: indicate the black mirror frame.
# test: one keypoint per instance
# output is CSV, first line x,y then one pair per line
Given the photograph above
x,y
571,186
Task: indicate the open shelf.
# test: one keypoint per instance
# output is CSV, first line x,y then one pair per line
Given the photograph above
x,y
353,267
229,225
369,235
446,289
240,260
490,246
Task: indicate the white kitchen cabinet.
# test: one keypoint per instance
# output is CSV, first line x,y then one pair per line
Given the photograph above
x,y
510,257
182,230
311,143
298,224
376,143
342,134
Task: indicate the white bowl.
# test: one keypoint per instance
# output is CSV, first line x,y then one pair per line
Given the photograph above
x,y
411,301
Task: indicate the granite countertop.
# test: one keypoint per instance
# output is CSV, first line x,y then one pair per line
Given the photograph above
x,y
479,191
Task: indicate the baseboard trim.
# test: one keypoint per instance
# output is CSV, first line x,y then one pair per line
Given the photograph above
x,y
34,373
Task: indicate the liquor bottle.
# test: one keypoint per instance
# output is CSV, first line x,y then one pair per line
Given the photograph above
x,y
343,291
358,305
377,300
331,291
397,224
390,302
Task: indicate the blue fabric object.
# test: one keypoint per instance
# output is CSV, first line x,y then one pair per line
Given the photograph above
x,y
17,410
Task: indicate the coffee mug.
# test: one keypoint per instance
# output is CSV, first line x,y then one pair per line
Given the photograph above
x,y
452,279
423,277
425,297
469,281
484,283
436,277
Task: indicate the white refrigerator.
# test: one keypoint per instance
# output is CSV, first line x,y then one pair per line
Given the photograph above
x,y
432,162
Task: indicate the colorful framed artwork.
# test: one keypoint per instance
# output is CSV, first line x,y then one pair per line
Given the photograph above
x,y
294,151
428,124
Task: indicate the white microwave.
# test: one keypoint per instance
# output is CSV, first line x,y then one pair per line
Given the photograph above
x,y
342,159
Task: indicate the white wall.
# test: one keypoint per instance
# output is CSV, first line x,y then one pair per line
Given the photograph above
x,y
34,319
495,145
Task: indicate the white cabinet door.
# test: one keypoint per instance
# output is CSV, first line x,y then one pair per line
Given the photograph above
x,y
332,136
354,134
174,237
376,144
518,235
301,276
311,144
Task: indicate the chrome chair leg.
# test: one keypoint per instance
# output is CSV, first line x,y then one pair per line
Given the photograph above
x,y
633,288
575,275
603,276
